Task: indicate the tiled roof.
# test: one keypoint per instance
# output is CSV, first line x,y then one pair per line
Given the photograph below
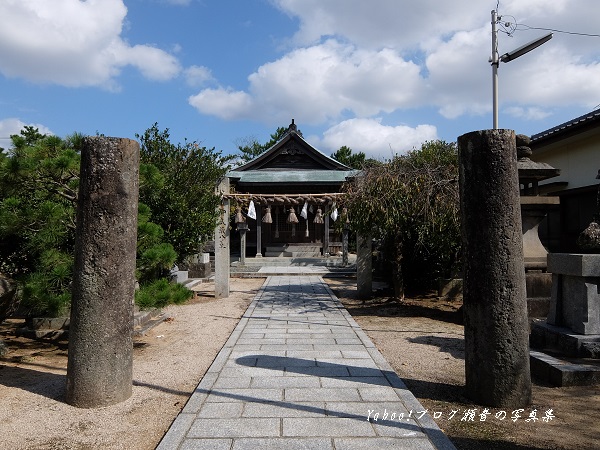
x,y
292,176
585,120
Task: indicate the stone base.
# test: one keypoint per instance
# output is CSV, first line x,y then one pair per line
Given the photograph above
x,y
200,270
575,302
563,340
560,372
563,358
57,328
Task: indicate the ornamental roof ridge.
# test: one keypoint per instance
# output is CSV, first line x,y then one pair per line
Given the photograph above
x,y
293,133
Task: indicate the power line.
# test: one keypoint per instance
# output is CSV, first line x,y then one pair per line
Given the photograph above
x,y
527,27
511,27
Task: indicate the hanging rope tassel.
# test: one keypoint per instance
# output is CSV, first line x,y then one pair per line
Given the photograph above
x,y
239,217
293,220
319,216
306,234
267,217
292,216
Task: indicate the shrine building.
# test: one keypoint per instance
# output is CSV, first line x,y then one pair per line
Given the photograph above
x,y
293,190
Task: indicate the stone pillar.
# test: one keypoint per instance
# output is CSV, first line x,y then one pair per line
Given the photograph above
x,y
345,246
222,257
364,266
326,235
494,299
258,231
242,228
99,371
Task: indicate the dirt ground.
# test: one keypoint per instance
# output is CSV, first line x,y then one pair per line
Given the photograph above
x,y
169,361
421,339
424,342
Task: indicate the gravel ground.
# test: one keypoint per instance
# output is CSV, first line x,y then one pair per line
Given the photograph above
x,y
169,361
421,339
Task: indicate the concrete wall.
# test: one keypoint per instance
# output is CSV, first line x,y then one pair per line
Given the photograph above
x,y
575,156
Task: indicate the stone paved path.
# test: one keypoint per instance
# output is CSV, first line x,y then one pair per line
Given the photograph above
x,y
299,373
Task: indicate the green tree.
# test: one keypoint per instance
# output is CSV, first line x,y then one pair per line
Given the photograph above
x,y
411,204
178,185
39,179
250,148
345,156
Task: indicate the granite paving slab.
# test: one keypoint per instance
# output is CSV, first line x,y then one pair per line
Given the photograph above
x,y
299,373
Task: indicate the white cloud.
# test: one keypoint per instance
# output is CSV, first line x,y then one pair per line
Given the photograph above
x,y
318,83
223,103
361,60
380,23
12,126
197,75
527,113
373,138
73,43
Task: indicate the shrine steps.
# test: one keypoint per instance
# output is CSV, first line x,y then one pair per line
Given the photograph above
x,y
294,250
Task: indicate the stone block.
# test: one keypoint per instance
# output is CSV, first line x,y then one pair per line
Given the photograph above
x,y
232,428
559,372
334,426
384,442
200,270
575,301
575,264
286,443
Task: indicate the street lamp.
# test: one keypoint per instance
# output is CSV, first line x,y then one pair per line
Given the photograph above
x,y
507,57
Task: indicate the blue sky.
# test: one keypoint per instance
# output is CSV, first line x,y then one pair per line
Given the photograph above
x,y
380,76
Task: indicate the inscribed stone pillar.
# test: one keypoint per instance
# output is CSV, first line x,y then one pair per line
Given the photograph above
x,y
222,258
494,296
364,266
99,371
242,228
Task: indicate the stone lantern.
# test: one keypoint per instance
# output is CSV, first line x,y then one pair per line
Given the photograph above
x,y
534,208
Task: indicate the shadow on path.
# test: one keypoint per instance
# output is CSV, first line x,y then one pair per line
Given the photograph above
x,y
350,373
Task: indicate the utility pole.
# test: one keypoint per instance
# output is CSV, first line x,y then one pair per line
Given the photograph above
x,y
506,57
495,63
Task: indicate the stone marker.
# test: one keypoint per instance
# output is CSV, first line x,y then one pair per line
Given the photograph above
x,y
222,258
494,298
99,371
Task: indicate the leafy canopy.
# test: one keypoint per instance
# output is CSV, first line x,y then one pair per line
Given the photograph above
x,y
178,185
39,179
250,148
345,156
411,203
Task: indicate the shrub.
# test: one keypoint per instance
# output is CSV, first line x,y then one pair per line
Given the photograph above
x,y
160,293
